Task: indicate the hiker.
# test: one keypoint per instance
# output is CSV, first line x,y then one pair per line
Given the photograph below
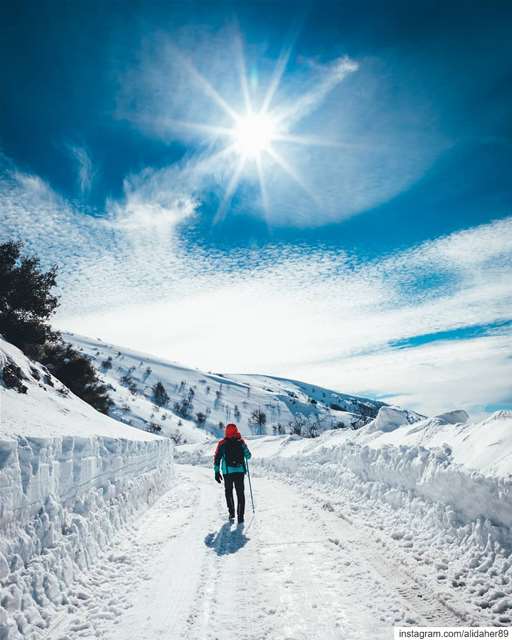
x,y
230,455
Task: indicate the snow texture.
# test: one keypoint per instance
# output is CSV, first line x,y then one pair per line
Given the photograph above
x,y
70,478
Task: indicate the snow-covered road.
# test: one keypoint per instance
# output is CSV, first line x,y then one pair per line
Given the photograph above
x,y
298,569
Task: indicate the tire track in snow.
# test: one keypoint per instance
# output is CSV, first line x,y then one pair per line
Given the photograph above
x,y
429,607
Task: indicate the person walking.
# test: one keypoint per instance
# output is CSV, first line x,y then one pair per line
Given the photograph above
x,y
230,457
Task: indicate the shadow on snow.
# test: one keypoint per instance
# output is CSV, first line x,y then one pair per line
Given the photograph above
x,y
226,541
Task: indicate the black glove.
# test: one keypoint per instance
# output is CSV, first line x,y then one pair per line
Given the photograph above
x,y
218,477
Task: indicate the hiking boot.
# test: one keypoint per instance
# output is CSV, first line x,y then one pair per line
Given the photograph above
x,y
231,518
240,520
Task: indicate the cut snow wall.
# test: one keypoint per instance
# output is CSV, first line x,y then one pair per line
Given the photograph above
x,y
34,468
62,501
411,470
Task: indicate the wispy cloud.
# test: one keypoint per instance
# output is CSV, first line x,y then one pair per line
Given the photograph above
x,y
84,167
154,200
323,79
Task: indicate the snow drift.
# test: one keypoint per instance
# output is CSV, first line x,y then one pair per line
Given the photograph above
x,y
70,478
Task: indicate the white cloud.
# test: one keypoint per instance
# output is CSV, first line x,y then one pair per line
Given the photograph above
x,y
154,200
286,311
433,378
85,167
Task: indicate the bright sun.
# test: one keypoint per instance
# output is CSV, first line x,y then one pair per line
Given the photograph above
x,y
254,133
254,138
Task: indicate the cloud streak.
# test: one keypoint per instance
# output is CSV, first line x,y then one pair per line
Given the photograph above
x,y
85,168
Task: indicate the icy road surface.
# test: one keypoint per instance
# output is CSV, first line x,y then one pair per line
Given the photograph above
x,y
297,570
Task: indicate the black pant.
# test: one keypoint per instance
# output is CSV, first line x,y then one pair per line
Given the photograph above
x,y
236,479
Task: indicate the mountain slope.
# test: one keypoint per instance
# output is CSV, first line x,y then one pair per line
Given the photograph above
x,y
202,403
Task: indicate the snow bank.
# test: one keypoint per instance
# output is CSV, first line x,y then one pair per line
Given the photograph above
x,y
70,478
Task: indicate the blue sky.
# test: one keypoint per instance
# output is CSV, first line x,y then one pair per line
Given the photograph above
x,y
354,231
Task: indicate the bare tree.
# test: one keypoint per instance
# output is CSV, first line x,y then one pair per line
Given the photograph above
x,y
259,418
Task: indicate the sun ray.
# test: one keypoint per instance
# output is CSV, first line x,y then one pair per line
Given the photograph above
x,y
206,86
292,173
230,190
277,76
309,101
263,189
204,166
201,127
280,67
314,141
243,73
253,134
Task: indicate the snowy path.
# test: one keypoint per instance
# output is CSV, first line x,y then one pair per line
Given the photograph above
x,y
297,570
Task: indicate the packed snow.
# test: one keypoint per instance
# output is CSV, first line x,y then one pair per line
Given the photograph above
x,y
200,403
405,520
70,478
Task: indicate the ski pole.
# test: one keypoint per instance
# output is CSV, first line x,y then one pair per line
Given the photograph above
x,y
250,485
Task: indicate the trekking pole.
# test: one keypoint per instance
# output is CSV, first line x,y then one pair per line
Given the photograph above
x,y
250,485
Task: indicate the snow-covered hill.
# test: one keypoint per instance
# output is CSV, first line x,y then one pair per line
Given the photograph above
x,y
201,403
70,478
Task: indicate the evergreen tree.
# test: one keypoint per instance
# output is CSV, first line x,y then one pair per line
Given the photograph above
x,y
26,299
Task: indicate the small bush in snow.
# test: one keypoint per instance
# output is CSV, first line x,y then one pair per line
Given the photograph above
x,y
160,395
13,377
183,408
107,364
298,425
129,382
177,438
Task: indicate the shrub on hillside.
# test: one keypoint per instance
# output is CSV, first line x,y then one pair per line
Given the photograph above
x,y
77,373
160,395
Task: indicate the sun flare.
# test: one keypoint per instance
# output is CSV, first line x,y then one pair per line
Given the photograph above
x,y
254,133
254,141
